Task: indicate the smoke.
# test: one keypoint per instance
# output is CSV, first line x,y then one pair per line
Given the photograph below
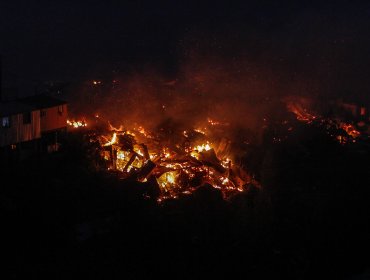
x,y
211,89
236,91
235,76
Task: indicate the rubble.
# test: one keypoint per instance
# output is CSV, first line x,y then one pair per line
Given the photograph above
x,y
174,163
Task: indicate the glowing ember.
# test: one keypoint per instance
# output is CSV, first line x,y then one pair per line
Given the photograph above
x,y
216,123
177,167
167,180
202,131
350,130
77,124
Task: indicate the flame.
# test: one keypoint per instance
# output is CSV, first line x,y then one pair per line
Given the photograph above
x,y
112,128
167,180
350,130
170,177
141,130
77,124
112,141
200,148
172,166
300,112
201,130
226,162
203,147
302,115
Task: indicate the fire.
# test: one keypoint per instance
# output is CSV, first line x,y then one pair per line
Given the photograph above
x,y
199,149
112,141
167,180
201,130
77,124
142,130
304,116
300,112
350,130
203,147
166,153
178,168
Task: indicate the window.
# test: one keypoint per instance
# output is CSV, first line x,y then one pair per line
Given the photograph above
x,y
60,109
27,118
5,122
42,113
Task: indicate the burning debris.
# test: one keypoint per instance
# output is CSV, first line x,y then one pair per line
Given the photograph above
x,y
350,130
176,163
344,132
175,159
77,124
300,112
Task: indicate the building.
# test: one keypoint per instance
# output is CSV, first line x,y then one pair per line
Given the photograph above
x,y
53,112
19,123
41,119
53,119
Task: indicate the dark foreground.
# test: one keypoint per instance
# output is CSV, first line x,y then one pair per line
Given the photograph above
x,y
62,219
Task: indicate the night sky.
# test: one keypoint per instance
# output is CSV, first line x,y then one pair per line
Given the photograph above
x,y
322,46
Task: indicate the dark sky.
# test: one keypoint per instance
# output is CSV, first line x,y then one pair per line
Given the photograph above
x,y
73,40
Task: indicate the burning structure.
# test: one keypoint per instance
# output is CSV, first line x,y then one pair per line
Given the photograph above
x,y
174,163
176,158
221,118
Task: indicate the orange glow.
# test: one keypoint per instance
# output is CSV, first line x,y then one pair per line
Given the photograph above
x,y
199,149
350,130
304,116
300,112
112,141
77,124
176,167
203,147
